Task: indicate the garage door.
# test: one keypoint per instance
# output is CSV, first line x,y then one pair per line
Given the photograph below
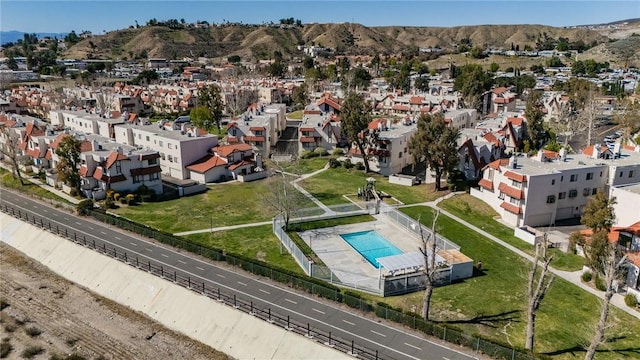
x,y
539,220
564,213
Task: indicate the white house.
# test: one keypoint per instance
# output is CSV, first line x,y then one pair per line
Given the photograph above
x,y
224,162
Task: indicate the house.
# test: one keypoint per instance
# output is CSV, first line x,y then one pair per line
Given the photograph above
x,y
540,190
627,206
110,166
88,122
224,162
179,145
388,150
502,99
319,130
260,126
329,104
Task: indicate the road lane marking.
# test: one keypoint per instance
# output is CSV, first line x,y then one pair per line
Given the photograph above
x,y
199,268
45,210
241,283
377,333
417,348
77,223
220,275
349,322
182,262
291,301
149,249
445,358
264,291
66,218
316,310
103,233
119,238
90,228
165,255
134,244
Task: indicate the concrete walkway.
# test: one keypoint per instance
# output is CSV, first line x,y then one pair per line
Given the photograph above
x,y
222,228
51,189
574,277
304,192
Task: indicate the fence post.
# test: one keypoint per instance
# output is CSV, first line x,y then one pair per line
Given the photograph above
x,y
477,344
352,353
189,281
149,266
175,276
94,243
104,248
251,312
137,261
74,236
234,300
115,254
444,335
125,257
84,238
288,328
269,312
161,271
66,234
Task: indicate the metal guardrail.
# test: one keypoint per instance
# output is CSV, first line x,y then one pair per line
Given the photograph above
x,y
200,287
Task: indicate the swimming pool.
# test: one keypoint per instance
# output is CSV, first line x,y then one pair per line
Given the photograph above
x,y
371,245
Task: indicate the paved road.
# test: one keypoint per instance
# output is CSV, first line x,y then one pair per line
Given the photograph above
x,y
390,342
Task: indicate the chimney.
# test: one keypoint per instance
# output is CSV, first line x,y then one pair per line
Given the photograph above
x,y
540,156
196,132
596,151
119,150
562,154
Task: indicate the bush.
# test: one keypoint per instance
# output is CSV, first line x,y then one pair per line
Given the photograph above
x,y
306,154
116,196
320,151
74,192
131,199
587,276
108,204
5,349
338,152
334,163
32,351
359,166
83,206
600,285
347,164
631,300
33,331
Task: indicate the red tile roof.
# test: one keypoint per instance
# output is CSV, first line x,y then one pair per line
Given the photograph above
x,y
515,176
416,100
634,258
515,120
496,164
373,125
499,90
589,150
486,183
226,150
207,163
511,208
113,157
239,164
254,138
399,107
513,192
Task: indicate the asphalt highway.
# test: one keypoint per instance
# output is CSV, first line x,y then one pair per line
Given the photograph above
x,y
390,342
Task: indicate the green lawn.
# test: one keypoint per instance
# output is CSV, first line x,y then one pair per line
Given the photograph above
x,y
7,180
257,242
480,214
296,115
222,205
493,304
330,185
300,166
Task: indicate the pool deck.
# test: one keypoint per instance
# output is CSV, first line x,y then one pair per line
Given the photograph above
x,y
344,261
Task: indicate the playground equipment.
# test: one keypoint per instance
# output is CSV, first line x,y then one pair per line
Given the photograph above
x,y
369,193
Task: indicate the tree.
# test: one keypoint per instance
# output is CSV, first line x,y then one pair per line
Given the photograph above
x,y
472,82
210,98
355,117
69,153
421,83
436,144
201,117
428,251
598,213
281,196
276,69
71,38
612,267
10,148
494,67
234,59
145,77
537,289
11,62
300,96
535,121
357,78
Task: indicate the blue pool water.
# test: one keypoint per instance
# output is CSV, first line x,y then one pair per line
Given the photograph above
x,y
371,245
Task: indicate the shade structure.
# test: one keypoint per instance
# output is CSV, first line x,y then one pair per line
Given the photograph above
x,y
407,261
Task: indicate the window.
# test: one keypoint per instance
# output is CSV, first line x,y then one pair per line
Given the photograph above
x,y
139,136
170,158
630,173
501,196
514,201
551,199
574,178
147,138
589,176
621,172
153,161
118,168
553,181
594,191
515,184
561,178
136,179
400,154
170,146
586,192
154,176
162,156
562,195
600,173
573,193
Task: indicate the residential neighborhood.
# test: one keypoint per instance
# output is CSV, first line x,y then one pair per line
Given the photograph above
x,y
401,182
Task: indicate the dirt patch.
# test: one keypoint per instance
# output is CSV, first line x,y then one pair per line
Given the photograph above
x,y
41,310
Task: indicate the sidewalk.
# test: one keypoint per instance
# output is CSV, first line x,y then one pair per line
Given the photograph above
x,y
573,277
60,193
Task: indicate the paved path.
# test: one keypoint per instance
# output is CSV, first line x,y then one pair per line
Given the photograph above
x,y
306,193
573,277
222,228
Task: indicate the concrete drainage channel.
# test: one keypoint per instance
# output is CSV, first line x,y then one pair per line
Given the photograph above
x,y
347,347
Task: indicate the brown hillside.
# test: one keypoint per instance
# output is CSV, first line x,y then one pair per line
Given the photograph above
x,y
253,42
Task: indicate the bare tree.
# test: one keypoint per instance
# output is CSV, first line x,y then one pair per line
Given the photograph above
x,y
537,289
10,149
282,197
611,271
428,250
104,100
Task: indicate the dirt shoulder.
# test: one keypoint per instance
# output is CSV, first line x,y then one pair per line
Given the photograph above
x,y
72,320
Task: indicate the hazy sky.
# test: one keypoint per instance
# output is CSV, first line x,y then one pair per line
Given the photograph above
x,y
97,16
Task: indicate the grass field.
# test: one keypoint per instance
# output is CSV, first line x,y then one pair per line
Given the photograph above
x,y
7,180
296,115
330,185
300,166
493,304
483,216
223,204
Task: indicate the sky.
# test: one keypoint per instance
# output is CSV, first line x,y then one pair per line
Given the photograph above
x,y
98,16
